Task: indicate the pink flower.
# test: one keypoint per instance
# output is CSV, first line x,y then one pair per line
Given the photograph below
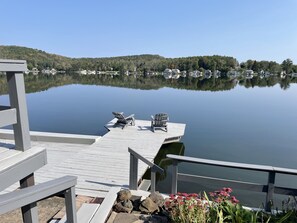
x,y
224,193
227,189
234,200
167,203
212,194
181,203
194,195
171,196
218,200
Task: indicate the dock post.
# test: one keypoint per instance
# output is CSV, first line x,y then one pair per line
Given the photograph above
x,y
153,181
174,177
270,191
17,97
133,172
70,205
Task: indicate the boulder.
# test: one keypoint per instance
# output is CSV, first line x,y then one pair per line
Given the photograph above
x,y
148,206
157,198
123,206
125,218
124,195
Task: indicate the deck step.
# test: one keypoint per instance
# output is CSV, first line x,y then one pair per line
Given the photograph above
x,y
21,165
84,214
145,185
105,208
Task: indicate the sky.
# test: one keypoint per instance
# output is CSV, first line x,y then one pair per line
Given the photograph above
x,y
245,29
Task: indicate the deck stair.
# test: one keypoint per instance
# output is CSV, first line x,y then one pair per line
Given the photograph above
x,y
84,214
20,165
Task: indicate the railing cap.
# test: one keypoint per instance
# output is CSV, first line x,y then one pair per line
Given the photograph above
x,y
232,164
13,65
153,166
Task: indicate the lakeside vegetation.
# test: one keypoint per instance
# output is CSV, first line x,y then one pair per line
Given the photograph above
x,y
143,64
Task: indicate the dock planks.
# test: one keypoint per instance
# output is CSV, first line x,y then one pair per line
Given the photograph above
x,y
105,163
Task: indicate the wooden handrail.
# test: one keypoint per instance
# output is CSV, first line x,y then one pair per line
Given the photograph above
x,y
134,157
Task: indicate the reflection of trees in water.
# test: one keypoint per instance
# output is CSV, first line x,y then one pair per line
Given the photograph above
x,y
44,82
176,148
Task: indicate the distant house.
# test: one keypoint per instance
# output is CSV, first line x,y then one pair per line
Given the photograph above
x,y
167,73
91,72
233,74
183,73
217,73
249,74
195,74
175,73
207,74
53,71
283,74
35,71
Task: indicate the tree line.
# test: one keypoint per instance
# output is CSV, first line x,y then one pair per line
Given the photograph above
x,y
140,63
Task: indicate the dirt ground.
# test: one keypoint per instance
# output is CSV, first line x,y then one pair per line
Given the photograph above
x,y
46,210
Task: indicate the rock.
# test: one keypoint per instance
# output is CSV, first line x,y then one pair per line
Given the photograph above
x,y
125,218
124,206
124,195
127,204
157,198
148,206
153,219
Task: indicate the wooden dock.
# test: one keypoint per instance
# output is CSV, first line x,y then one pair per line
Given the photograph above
x,y
105,163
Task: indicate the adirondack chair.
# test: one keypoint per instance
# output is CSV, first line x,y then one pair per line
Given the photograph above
x,y
159,121
122,120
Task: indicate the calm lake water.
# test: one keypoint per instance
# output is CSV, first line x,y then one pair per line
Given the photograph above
x,y
252,125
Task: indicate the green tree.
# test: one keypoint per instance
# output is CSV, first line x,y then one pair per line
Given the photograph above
x,y
287,65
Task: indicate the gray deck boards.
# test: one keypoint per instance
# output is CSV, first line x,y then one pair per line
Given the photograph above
x,y
105,163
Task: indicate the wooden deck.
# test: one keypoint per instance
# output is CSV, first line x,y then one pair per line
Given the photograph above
x,y
105,163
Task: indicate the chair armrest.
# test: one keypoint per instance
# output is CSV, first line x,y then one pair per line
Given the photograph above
x,y
130,116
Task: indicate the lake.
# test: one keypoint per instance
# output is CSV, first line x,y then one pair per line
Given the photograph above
x,y
232,120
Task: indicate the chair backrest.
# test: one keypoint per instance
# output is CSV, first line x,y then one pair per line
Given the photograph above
x,y
161,119
119,115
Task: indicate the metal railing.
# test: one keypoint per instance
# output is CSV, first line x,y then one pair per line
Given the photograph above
x,y
268,188
133,182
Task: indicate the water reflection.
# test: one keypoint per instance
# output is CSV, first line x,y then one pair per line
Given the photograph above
x,y
41,83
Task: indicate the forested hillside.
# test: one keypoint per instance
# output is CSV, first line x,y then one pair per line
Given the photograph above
x,y
140,63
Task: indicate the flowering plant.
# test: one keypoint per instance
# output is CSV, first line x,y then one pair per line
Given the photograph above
x,y
184,208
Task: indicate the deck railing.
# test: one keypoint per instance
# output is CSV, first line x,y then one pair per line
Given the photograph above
x,y
268,188
134,157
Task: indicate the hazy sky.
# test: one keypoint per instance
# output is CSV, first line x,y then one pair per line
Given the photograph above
x,y
245,29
